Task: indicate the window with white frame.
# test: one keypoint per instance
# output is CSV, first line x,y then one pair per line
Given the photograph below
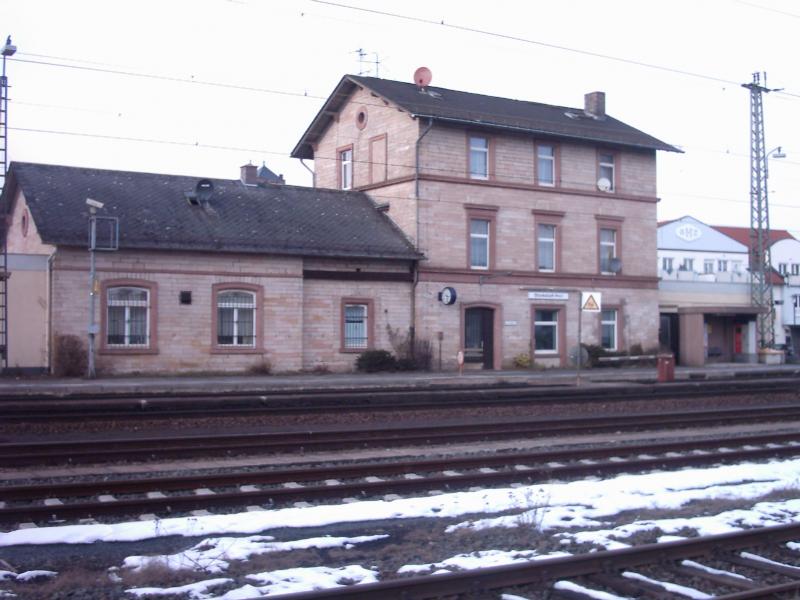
x,y
128,317
346,168
736,265
666,264
608,249
356,331
606,168
479,231
546,247
708,266
478,157
236,318
722,266
795,268
783,268
687,264
608,329
545,331
546,164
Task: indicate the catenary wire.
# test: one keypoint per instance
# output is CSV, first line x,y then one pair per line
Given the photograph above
x,y
515,38
274,152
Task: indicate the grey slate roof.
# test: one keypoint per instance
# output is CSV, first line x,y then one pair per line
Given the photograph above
x,y
477,110
154,214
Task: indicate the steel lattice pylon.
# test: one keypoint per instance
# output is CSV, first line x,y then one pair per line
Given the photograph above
x,y
760,260
7,50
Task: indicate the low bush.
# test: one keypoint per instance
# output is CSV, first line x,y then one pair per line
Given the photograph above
x,y
70,357
411,356
523,361
262,368
372,361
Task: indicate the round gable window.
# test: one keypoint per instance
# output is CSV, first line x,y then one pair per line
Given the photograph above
x,y
26,221
361,117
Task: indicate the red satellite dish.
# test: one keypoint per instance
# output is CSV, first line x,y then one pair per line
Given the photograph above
x,y
422,77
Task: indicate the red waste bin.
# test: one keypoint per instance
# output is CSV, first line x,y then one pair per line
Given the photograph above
x,y
666,367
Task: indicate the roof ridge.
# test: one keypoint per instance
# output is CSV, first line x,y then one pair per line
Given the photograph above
x,y
436,88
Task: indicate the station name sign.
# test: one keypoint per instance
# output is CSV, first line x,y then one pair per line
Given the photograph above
x,y
547,295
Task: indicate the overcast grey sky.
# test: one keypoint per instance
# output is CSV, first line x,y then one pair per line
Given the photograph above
x,y
218,83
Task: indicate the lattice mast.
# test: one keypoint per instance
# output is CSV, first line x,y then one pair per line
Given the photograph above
x,y
760,260
8,49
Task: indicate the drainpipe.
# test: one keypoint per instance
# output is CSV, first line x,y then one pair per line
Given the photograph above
x,y
412,331
313,174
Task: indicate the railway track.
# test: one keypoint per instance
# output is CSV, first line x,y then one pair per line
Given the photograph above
x,y
18,454
610,570
169,495
166,406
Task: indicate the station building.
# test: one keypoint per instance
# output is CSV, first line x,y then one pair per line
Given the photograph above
x,y
473,221
516,207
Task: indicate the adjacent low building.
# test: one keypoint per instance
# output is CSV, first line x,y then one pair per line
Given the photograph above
x,y
229,275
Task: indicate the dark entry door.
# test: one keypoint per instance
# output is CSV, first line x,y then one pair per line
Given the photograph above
x,y
479,336
668,333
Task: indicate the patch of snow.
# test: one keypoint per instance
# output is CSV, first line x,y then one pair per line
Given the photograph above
x,y
213,555
763,514
574,587
479,560
473,560
697,565
287,581
36,574
599,500
670,587
767,560
194,591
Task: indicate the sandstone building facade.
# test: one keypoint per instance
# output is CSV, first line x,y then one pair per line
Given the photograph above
x,y
471,221
516,206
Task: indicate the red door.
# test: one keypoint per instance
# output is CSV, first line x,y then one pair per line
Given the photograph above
x,y
737,340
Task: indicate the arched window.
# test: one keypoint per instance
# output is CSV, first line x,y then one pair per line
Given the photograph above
x,y
128,317
236,318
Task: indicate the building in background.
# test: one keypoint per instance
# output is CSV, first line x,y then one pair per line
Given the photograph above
x,y
785,257
516,206
705,306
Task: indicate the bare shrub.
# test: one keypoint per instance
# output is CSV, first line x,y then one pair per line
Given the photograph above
x,y
411,356
262,368
70,357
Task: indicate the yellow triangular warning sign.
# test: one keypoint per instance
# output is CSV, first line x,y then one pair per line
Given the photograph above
x,y
590,304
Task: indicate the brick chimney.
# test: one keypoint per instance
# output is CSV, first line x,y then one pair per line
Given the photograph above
x,y
249,174
594,104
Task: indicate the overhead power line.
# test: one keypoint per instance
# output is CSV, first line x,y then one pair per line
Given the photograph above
x,y
174,79
197,144
516,38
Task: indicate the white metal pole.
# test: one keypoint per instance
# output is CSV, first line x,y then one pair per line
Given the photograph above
x,y
92,239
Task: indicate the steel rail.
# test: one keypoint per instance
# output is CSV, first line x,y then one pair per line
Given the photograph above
x,y
385,469
96,451
563,382
21,410
543,573
84,509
